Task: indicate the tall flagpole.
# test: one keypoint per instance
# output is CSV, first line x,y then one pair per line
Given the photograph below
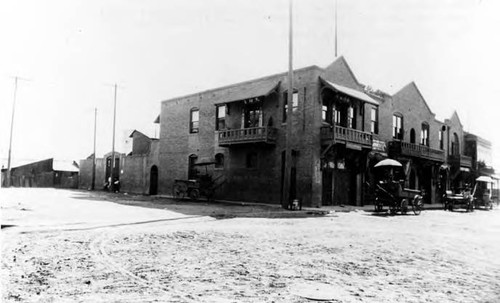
x,y
336,28
288,150
94,159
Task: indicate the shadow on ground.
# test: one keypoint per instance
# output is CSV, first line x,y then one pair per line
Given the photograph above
x,y
202,207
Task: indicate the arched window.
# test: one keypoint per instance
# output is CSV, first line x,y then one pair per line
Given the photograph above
x,y
397,126
219,160
194,120
424,134
455,145
412,136
192,171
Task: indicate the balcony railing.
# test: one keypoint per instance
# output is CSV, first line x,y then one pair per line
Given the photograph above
x,y
265,135
460,160
346,135
416,150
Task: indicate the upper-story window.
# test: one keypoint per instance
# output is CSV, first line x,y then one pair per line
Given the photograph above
x,y
351,117
412,136
441,139
252,114
455,145
194,120
295,103
424,134
220,117
397,126
374,120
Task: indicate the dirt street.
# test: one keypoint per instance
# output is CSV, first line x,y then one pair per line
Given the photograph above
x,y
71,246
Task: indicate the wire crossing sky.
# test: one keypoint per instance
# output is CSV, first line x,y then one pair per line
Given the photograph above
x,y
155,50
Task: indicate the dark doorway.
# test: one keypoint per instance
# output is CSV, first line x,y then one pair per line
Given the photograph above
x,y
153,182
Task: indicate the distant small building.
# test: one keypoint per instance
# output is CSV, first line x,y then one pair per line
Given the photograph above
x,y
137,172
44,173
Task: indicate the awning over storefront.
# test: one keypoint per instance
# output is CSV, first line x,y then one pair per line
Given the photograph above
x,y
249,91
349,91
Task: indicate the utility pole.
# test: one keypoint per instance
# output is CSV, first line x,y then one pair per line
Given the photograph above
x,y
9,177
94,159
285,203
112,185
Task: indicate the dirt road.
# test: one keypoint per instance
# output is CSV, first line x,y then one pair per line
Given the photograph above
x,y
78,250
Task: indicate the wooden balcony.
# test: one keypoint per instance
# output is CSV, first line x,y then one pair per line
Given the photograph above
x,y
339,134
460,160
415,150
265,135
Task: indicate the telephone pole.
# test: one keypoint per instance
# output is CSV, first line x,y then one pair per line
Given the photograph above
x,y
112,184
94,159
285,203
9,177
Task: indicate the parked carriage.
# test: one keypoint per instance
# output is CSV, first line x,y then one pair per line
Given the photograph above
x,y
391,193
482,194
202,185
464,199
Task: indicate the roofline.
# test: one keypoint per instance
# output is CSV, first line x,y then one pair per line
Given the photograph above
x,y
455,113
419,93
34,162
477,138
242,83
341,57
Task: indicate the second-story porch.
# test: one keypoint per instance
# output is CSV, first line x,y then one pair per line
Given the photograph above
x,y
248,117
343,116
265,135
415,150
338,134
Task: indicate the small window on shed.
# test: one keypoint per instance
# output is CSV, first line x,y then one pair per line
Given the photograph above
x,y
219,161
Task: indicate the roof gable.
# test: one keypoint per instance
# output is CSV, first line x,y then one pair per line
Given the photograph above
x,y
456,118
411,93
339,72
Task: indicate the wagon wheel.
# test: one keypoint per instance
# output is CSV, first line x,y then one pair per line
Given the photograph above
x,y
404,206
179,191
379,207
417,205
194,194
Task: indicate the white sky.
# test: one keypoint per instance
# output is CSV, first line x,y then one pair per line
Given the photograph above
x,y
72,51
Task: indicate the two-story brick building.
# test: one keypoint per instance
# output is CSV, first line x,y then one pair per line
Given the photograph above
x,y
242,128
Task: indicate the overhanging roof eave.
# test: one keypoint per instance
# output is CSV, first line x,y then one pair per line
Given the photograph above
x,y
350,92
